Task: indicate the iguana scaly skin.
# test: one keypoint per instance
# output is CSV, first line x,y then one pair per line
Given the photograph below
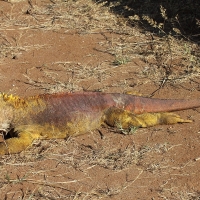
x,y
62,115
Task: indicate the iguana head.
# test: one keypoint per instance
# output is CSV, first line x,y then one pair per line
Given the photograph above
x,y
6,116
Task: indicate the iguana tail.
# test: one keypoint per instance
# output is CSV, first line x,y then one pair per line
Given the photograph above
x,y
138,105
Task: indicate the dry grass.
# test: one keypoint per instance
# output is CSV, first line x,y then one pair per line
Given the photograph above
x,y
164,60
74,164
68,76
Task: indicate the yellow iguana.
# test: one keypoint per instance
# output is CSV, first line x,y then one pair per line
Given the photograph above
x,y
62,115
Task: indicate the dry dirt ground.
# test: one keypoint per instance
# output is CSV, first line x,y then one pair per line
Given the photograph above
x,y
53,46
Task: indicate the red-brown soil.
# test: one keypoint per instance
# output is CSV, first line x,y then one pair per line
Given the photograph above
x,y
80,53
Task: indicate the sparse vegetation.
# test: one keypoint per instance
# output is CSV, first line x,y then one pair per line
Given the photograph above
x,y
153,45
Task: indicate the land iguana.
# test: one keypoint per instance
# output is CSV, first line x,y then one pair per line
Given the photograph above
x,y
61,115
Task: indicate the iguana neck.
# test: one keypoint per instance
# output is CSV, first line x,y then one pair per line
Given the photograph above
x,y
21,103
22,108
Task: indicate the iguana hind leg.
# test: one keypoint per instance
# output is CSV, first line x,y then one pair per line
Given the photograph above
x,y
126,119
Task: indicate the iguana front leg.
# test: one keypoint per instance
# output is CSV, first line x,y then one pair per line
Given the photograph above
x,y
27,134
17,144
126,119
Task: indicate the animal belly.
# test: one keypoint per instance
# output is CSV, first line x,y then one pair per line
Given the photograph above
x,y
61,125
81,123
